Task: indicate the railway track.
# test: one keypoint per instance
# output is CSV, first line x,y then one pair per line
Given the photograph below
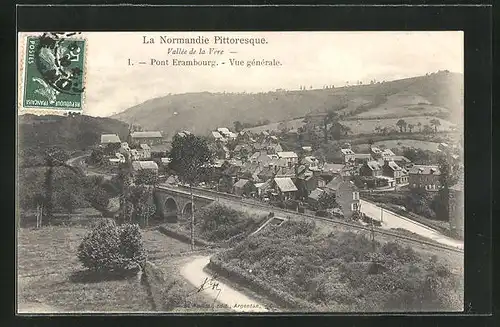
x,y
214,195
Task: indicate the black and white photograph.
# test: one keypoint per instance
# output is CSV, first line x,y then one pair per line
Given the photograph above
x,y
240,172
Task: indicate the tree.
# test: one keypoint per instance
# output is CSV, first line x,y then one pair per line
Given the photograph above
x,y
327,201
238,127
146,177
69,201
435,122
419,124
427,129
329,118
410,127
401,124
191,159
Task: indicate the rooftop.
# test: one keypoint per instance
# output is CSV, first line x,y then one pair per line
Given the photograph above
x,y
287,154
155,134
373,165
347,151
138,165
424,170
109,138
285,184
216,135
240,183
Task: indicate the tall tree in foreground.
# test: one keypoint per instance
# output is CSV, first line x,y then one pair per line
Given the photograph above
x,y
190,159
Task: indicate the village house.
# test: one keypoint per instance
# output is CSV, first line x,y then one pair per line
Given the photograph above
x,y
244,137
144,152
125,147
314,196
346,195
217,137
310,162
456,208
144,165
149,138
118,159
250,171
332,169
424,177
284,188
244,187
160,150
134,155
263,188
110,139
307,182
226,133
183,133
267,173
402,161
282,172
371,168
348,155
307,149
393,170
360,158
110,143
274,148
290,157
387,154
375,152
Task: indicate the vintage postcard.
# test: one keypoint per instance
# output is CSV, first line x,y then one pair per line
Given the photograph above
x,y
201,172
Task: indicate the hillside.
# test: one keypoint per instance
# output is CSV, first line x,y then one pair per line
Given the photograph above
x,y
71,133
434,94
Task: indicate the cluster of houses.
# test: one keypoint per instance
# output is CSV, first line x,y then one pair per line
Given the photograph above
x,y
146,149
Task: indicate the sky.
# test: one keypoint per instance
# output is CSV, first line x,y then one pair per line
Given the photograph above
x,y
307,58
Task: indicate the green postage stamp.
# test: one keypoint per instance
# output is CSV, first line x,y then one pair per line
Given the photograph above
x,y
54,71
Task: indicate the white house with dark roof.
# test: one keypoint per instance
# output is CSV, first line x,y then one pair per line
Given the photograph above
x,y
290,157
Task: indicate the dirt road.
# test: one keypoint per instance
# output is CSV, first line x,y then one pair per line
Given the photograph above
x,y
390,220
224,294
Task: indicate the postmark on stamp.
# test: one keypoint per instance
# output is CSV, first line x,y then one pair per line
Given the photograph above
x,y
54,72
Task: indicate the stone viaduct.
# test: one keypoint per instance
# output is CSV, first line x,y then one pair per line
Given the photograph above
x,y
174,204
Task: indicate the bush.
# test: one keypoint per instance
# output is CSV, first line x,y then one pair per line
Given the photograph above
x,y
109,248
321,213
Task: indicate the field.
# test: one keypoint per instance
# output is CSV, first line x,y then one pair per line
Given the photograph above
x,y
367,126
403,104
292,124
50,278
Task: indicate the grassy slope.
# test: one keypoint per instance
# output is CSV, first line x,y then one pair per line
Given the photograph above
x,y
201,112
47,264
304,266
71,133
